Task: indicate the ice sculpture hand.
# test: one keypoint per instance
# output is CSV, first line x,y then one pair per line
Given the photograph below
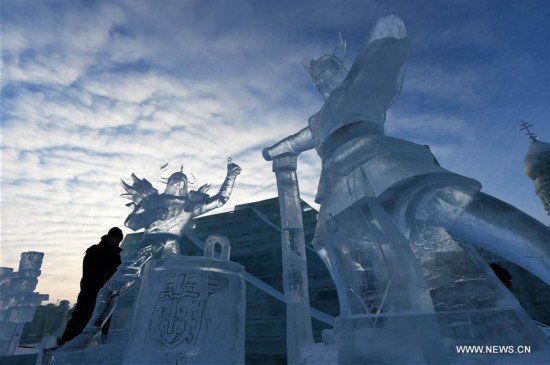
x,y
232,168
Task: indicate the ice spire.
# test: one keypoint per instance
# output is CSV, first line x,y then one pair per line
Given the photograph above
x,y
536,165
525,127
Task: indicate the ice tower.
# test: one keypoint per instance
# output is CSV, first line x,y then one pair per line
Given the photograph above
x,y
537,166
18,301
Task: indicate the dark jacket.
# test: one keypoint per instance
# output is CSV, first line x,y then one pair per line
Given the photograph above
x,y
100,263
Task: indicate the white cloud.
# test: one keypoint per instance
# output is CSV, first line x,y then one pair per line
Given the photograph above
x,y
93,93
54,48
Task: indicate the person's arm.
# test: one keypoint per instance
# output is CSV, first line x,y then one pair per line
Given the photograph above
x,y
223,195
292,145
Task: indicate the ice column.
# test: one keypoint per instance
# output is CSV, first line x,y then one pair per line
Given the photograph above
x,y
298,316
18,301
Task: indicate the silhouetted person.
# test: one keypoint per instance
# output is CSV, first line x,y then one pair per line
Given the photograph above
x,y
100,263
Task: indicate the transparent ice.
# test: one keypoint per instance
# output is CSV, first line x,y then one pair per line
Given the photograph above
x,y
163,217
18,301
393,224
294,265
191,310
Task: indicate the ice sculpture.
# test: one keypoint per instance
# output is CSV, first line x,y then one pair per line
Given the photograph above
x,y
18,301
295,281
379,197
191,310
163,216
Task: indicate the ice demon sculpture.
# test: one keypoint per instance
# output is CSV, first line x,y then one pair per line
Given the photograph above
x,y
163,216
378,193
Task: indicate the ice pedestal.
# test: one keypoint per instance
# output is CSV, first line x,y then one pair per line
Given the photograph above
x,y
188,310
400,339
471,308
498,335
191,311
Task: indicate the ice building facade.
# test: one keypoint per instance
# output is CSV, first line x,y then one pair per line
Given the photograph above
x,y
530,291
48,320
18,300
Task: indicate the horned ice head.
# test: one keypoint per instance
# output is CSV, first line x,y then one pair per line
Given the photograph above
x,y
328,71
177,184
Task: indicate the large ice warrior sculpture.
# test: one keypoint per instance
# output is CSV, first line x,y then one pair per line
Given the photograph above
x,y
163,216
294,265
380,194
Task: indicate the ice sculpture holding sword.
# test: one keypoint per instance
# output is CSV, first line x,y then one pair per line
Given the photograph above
x,y
376,191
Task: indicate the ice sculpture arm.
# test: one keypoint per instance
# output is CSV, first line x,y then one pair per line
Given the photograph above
x,y
293,145
223,195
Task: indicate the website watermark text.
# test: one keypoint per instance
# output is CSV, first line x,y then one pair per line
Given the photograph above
x,y
493,349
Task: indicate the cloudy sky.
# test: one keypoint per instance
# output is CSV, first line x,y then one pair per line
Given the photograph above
x,y
92,91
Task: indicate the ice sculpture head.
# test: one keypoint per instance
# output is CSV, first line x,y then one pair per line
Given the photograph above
x,y
156,212
177,184
327,73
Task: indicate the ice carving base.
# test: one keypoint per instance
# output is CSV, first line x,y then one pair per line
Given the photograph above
x,y
189,310
192,311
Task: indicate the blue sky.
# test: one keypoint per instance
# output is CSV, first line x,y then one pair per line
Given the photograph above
x,y
92,91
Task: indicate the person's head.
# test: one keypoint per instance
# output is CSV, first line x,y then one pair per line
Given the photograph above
x,y
114,236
